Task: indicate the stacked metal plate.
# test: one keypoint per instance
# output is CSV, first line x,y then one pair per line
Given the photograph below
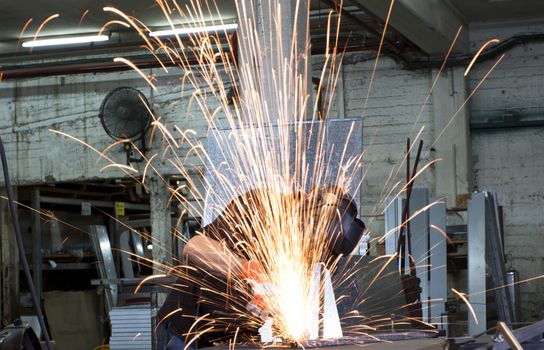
x,y
130,327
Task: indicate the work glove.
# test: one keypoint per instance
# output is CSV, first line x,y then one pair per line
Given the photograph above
x,y
253,274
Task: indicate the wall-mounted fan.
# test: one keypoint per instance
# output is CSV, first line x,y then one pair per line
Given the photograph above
x,y
124,115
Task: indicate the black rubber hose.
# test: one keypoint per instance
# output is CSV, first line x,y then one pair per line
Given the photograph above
x,y
21,248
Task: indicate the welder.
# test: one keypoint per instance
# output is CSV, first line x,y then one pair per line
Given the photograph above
x,y
216,255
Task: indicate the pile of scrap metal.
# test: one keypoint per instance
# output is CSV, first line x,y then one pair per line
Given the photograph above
x,y
18,336
530,337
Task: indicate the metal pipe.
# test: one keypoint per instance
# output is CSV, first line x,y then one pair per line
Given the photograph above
x,y
488,54
507,125
109,66
78,68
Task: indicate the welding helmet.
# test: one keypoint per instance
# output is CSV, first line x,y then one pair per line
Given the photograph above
x,y
342,228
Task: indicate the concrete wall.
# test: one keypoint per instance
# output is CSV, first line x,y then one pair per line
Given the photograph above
x,y
390,117
30,107
511,161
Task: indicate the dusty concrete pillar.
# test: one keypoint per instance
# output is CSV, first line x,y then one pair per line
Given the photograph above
x,y
274,56
161,225
452,137
10,263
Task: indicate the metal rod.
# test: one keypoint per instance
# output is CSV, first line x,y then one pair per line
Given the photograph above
x,y
412,178
37,241
401,244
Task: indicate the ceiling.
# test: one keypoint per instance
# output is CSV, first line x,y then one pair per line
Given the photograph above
x,y
499,10
83,16
78,17
359,29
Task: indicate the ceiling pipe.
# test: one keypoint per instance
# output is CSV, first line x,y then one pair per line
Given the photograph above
x,y
488,54
78,68
103,66
107,65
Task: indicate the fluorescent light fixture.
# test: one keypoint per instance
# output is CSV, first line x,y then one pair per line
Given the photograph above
x,y
194,30
66,40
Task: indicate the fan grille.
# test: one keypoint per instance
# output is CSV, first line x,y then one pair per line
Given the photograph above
x,y
124,114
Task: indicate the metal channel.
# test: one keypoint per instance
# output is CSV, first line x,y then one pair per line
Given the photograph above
x,y
476,263
438,289
106,267
419,226
495,260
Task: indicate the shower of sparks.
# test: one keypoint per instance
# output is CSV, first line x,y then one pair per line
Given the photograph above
x,y
282,227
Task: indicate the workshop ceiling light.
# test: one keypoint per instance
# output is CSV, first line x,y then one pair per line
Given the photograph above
x,y
70,40
194,30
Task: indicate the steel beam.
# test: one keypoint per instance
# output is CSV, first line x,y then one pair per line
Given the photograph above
x,y
431,25
419,227
438,287
476,263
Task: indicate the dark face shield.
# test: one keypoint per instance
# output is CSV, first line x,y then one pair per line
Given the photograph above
x,y
342,226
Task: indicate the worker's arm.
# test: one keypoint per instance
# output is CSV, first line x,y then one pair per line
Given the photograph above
x,y
214,256
211,255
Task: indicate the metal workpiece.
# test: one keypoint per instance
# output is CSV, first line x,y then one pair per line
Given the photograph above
x,y
528,337
495,260
486,254
106,267
401,340
393,221
419,226
438,274
512,279
476,263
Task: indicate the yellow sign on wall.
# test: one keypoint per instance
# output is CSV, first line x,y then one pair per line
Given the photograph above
x,y
120,208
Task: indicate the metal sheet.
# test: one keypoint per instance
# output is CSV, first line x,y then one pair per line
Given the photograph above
x,y
331,320
438,288
126,256
106,266
495,260
131,327
476,263
338,135
419,227
393,217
